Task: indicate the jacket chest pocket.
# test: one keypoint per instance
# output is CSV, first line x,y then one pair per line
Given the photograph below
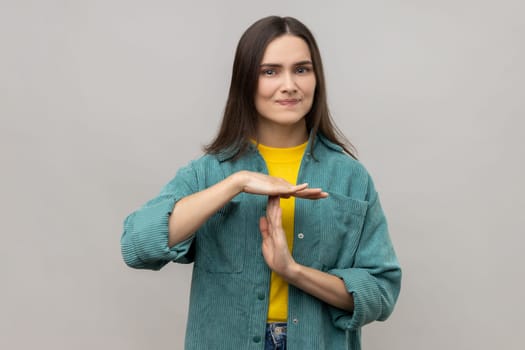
x,y
343,219
221,242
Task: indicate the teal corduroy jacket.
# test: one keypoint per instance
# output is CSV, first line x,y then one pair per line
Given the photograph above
x,y
345,235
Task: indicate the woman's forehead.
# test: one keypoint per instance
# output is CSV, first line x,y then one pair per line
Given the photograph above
x,y
286,49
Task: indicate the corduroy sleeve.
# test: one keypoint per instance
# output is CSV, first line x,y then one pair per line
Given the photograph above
x,y
144,242
374,280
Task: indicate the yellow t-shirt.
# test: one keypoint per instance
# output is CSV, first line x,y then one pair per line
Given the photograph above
x,y
284,163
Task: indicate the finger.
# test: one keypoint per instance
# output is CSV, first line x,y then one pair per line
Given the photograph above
x,y
313,198
316,196
279,217
272,211
306,194
300,186
273,199
269,209
274,203
294,189
263,227
311,193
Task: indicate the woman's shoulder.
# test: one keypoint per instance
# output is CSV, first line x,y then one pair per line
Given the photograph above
x,y
344,170
330,152
207,168
205,163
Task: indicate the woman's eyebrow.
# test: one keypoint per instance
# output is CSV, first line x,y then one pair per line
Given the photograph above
x,y
278,65
303,63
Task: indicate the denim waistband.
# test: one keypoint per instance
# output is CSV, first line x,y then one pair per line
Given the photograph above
x,y
277,327
276,335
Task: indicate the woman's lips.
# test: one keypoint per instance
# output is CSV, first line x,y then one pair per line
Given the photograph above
x,y
288,102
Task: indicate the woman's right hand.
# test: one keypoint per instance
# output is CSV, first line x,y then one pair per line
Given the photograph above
x,y
192,211
257,183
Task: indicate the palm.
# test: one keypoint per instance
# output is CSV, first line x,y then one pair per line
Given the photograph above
x,y
257,183
274,246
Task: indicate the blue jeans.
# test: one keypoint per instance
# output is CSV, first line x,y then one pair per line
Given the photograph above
x,y
275,336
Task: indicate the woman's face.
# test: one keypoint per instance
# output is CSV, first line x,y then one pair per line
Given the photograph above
x,y
286,84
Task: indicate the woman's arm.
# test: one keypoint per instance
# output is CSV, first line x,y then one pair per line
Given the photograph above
x,y
192,211
322,285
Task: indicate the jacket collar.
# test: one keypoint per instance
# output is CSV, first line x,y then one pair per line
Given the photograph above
x,y
229,153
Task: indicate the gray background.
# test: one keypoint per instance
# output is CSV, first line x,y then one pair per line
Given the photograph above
x,y
102,101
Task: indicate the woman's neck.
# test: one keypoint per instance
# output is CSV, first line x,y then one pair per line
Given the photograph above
x,y
282,136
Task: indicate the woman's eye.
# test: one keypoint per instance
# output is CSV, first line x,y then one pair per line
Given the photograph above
x,y
302,70
268,72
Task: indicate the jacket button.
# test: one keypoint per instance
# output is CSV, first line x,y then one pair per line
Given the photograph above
x,y
300,235
256,339
260,296
295,321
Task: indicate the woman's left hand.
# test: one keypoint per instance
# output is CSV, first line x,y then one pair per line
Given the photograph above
x,y
326,287
274,246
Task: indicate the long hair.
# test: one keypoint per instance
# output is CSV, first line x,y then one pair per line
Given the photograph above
x,y
239,121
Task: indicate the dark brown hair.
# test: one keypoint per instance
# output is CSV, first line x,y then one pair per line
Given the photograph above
x,y
239,121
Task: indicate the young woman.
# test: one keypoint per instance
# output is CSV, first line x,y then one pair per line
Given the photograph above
x,y
284,226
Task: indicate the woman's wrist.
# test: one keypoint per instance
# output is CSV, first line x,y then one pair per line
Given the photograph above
x,y
291,273
238,181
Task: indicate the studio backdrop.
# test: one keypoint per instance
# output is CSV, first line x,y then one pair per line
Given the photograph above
x,y
102,101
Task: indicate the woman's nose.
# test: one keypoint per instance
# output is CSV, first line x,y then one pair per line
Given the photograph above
x,y
289,85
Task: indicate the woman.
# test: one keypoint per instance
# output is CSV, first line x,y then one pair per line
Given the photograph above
x,y
284,227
